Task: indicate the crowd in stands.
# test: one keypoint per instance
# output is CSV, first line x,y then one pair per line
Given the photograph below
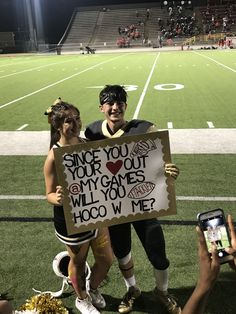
x,y
218,19
181,22
127,34
225,42
132,32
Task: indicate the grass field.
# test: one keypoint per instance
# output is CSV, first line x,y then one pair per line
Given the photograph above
x,y
183,90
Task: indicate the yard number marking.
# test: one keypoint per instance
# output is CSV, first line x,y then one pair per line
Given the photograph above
x,y
170,86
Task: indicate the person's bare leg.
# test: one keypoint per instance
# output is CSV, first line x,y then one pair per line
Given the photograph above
x,y
103,255
76,268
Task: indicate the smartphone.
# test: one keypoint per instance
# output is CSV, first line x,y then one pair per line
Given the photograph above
x,y
214,227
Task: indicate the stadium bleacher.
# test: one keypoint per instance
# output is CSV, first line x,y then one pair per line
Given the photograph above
x,y
97,27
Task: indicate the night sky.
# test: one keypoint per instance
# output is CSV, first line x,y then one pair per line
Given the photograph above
x,y
56,14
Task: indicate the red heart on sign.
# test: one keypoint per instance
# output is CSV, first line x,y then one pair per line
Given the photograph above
x,y
114,167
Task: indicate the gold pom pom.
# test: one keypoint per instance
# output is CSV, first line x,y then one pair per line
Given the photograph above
x,y
44,304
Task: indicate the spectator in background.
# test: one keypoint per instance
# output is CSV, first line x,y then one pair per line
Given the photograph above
x,y
170,10
121,42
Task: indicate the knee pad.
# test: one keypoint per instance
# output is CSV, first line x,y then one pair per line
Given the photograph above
x,y
123,261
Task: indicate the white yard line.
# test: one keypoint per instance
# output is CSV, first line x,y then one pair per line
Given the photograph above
x,y
179,198
207,198
188,141
32,69
22,197
203,141
182,141
210,124
219,63
170,125
139,105
22,127
14,63
57,82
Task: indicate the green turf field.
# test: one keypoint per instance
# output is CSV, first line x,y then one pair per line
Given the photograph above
x,y
191,90
207,78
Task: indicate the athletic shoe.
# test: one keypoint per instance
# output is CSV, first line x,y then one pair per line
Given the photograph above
x,y
127,302
85,306
168,301
97,298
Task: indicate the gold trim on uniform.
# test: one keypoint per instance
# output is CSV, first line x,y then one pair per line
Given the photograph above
x,y
106,133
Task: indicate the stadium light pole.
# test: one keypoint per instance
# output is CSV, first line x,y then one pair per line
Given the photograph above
x,y
25,25
30,15
38,23
31,25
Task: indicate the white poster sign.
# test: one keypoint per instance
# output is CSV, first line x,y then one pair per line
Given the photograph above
x,y
114,181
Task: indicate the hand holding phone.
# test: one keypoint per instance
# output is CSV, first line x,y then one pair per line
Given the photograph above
x,y
215,230
209,265
232,250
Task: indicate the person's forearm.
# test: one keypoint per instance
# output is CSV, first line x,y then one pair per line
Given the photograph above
x,y
197,302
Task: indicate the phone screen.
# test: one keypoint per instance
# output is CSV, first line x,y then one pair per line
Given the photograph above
x,y
215,232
